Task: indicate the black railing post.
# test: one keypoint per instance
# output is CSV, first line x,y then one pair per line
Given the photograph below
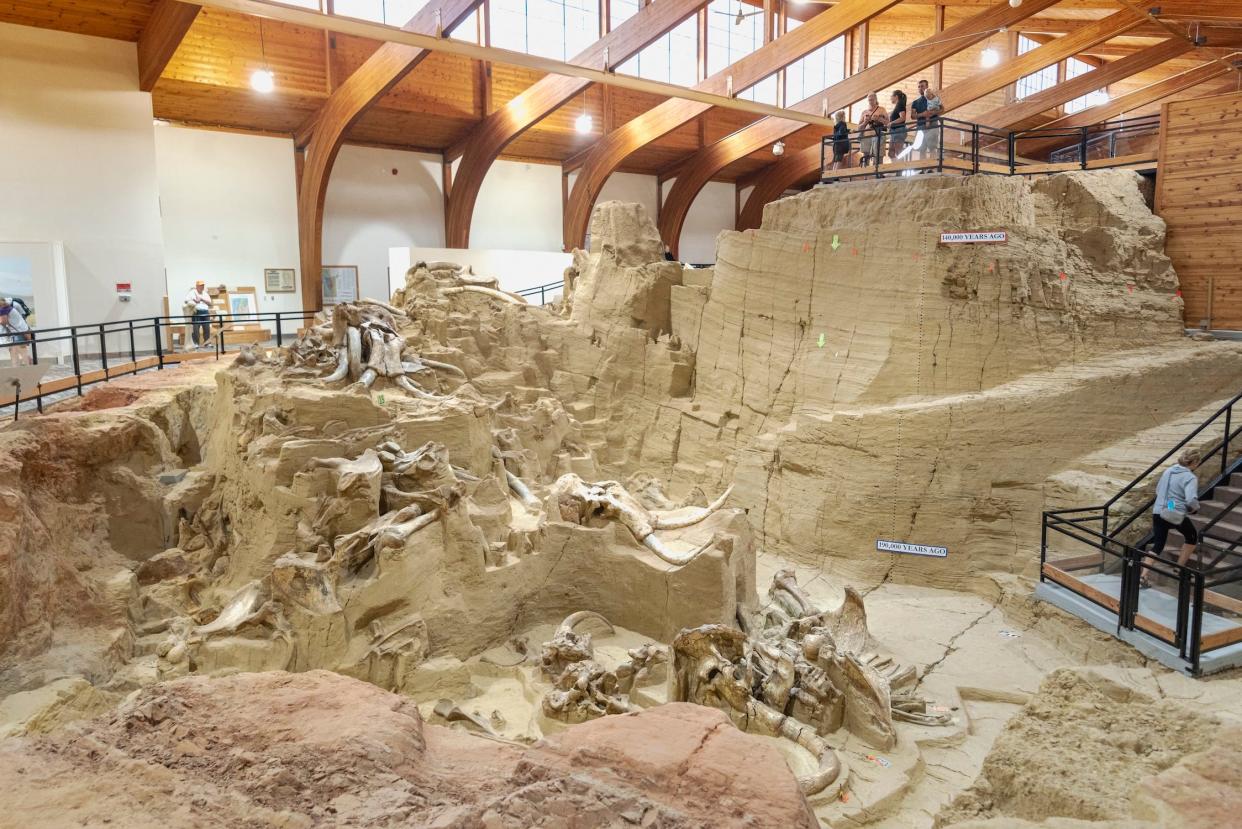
x,y
159,342
823,161
974,148
1224,447
103,350
940,160
1196,624
1082,148
1181,640
279,338
77,363
133,350
1043,545
34,358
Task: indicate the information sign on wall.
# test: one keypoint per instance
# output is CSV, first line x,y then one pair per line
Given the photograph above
x,y
979,237
911,549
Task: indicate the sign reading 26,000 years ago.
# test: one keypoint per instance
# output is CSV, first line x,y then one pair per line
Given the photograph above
x,y
911,549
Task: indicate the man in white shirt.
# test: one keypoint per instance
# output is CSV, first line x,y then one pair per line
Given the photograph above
x,y
16,332
200,301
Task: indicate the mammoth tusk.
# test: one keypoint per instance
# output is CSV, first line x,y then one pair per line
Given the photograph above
x,y
787,583
440,265
408,384
392,309
653,543
342,366
574,619
367,378
662,522
353,339
521,490
479,289
449,367
831,771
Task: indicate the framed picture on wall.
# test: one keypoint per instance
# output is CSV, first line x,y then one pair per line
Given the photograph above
x,y
242,304
340,284
280,280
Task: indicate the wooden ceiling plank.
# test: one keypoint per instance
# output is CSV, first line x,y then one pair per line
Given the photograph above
x,y
613,148
488,140
160,38
712,159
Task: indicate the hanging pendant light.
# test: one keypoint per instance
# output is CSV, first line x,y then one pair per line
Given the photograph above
x,y
584,122
262,80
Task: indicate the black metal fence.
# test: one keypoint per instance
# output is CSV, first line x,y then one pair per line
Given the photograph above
x,y
944,144
1100,553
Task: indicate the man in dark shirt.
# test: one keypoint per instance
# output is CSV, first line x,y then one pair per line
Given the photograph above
x,y
925,108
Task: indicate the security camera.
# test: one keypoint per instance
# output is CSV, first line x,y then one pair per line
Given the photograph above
x,y
778,148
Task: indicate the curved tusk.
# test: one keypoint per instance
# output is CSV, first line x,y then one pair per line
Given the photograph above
x,y
661,522
449,367
522,491
367,378
574,619
408,384
831,771
342,366
479,289
655,545
392,309
353,339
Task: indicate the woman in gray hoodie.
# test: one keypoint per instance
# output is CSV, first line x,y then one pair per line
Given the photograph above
x,y
1177,495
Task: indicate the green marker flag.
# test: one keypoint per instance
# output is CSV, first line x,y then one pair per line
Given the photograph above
x,y
836,241
821,340
381,400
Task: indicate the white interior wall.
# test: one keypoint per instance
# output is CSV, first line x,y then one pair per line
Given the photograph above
x,y
380,199
77,165
711,213
630,187
229,205
519,208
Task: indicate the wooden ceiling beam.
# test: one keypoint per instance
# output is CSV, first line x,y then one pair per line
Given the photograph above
x,y
484,144
709,161
1129,102
982,83
323,134
1004,117
169,22
613,148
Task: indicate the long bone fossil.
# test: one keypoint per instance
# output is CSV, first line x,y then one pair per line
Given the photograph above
x,y
577,501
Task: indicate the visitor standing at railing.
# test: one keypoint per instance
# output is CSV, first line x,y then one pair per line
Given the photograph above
x,y
198,303
1177,495
897,125
871,129
840,142
925,108
16,332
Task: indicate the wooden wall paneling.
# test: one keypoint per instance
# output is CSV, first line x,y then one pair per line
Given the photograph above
x,y
160,38
99,18
611,150
708,163
357,93
1199,196
504,126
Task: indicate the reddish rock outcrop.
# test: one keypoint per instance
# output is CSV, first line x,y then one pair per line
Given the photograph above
x,y
320,749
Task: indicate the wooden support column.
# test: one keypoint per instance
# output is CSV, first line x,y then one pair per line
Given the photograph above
x,y
168,24
938,69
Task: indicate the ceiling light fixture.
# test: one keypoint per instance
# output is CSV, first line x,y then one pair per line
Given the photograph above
x,y
989,58
778,149
262,80
584,122
1015,3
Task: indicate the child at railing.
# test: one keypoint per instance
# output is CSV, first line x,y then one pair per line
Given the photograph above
x,y
16,333
840,142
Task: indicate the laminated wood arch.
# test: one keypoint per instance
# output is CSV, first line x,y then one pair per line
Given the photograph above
x,y
599,163
323,135
694,174
487,140
160,38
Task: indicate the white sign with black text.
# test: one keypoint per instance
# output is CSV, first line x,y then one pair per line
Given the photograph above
x,y
911,549
981,237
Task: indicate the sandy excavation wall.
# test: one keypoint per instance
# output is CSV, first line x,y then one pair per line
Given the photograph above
x,y
859,380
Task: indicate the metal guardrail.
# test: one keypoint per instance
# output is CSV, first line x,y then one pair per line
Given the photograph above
x,y
544,292
1106,529
943,144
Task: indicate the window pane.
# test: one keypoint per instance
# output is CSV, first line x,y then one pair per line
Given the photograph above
x,y
1074,68
621,11
468,29
399,12
1045,78
545,28
811,75
509,24
581,25
683,55
362,9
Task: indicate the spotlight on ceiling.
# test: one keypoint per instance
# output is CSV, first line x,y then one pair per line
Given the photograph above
x,y
989,58
1015,3
262,80
583,123
778,148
